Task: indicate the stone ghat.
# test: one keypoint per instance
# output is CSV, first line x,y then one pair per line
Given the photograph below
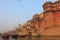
x,y
46,23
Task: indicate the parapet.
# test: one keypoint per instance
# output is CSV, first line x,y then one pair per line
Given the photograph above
x,y
49,6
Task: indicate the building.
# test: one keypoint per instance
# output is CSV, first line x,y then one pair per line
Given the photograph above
x,y
46,23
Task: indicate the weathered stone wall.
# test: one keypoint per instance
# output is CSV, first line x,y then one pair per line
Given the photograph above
x,y
47,23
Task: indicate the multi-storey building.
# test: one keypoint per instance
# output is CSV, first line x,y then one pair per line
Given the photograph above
x,y
46,23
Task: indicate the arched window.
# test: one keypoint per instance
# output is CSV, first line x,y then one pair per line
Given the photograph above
x,y
37,19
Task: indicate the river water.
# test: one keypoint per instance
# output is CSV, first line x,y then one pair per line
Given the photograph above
x,y
33,38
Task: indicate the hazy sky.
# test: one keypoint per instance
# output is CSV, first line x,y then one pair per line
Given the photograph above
x,y
13,12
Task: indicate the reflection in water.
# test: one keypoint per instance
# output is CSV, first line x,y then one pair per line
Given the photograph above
x,y
50,38
5,39
34,38
39,38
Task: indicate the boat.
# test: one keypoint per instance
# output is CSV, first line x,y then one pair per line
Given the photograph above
x,y
5,36
14,36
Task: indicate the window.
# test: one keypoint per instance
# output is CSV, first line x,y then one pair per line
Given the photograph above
x,y
37,19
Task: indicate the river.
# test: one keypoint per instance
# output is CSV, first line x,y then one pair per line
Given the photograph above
x,y
33,38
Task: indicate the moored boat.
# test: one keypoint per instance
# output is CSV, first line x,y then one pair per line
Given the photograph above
x,y
14,36
5,36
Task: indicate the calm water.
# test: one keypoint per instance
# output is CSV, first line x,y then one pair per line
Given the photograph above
x,y
34,38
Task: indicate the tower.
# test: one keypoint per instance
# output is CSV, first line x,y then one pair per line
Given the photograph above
x,y
47,6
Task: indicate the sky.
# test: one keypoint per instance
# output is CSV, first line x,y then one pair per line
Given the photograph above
x,y
15,12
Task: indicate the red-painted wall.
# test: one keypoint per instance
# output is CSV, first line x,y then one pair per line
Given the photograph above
x,y
57,17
